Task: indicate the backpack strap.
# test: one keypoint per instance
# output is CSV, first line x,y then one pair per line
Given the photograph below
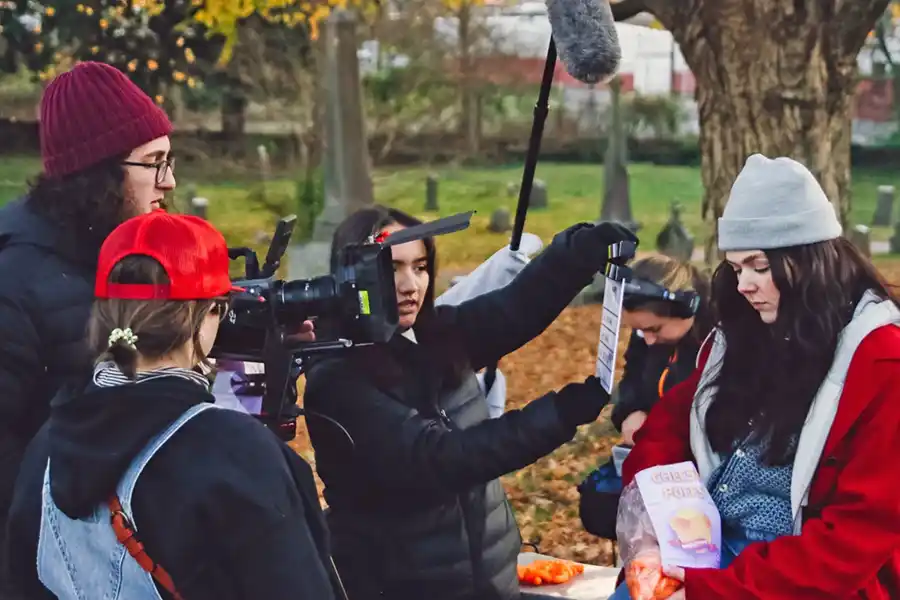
x,y
127,536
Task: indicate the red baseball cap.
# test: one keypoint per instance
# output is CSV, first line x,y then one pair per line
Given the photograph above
x,y
191,251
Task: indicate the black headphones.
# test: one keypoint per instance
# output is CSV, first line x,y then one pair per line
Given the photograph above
x,y
687,303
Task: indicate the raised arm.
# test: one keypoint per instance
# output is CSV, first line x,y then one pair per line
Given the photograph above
x,y
403,449
497,323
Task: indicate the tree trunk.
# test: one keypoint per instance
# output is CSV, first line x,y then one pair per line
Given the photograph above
x,y
234,105
773,77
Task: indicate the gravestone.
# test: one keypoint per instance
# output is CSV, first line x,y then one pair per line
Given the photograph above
x,y
884,207
861,238
674,239
895,239
345,161
538,199
431,193
199,207
501,220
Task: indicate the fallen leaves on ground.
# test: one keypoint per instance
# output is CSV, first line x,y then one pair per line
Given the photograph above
x,y
544,495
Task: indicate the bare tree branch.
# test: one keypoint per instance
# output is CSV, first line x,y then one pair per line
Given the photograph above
x,y
623,10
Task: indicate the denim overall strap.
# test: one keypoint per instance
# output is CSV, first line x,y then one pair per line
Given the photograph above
x,y
81,559
125,489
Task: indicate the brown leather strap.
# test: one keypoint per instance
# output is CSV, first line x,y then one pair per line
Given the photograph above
x,y
128,537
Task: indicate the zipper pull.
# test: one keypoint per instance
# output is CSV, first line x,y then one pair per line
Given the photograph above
x,y
445,418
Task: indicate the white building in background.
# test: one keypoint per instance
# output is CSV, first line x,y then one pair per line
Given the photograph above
x,y
652,63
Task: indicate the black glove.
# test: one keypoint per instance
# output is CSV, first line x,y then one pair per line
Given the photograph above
x,y
580,403
593,241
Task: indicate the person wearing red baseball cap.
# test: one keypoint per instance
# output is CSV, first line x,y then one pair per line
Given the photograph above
x,y
206,500
106,156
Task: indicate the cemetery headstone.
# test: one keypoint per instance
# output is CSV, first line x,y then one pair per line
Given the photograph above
x,y
674,239
895,239
345,160
199,207
538,199
861,238
884,207
431,193
501,220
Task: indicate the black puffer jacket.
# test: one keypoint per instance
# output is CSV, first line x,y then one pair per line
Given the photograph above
x,y
416,509
46,291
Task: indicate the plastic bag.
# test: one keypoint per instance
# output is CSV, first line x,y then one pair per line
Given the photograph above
x,y
639,549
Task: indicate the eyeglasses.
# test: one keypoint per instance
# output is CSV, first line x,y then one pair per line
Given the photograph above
x,y
162,167
220,308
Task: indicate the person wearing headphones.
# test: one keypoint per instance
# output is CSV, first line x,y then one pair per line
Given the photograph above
x,y
139,486
666,305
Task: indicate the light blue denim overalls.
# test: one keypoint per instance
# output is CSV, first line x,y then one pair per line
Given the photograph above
x,y
82,559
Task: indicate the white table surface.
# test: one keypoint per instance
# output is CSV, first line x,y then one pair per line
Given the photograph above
x,y
596,583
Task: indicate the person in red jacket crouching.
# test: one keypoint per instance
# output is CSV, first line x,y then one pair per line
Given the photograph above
x,y
793,414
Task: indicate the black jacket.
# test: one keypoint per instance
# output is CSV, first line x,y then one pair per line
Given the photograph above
x,y
644,365
415,506
46,291
224,506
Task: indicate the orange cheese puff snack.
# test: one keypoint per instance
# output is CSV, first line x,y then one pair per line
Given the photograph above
x,y
549,572
646,580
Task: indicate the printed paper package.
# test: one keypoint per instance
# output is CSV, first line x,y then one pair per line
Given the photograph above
x,y
666,517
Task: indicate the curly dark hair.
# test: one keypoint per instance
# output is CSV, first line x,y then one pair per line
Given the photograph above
x,y
771,373
86,206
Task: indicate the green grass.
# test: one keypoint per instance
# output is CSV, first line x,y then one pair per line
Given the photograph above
x,y
575,193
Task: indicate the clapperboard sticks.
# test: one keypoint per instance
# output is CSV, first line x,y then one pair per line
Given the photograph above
x,y
611,320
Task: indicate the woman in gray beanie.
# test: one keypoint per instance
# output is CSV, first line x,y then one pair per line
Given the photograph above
x,y
793,415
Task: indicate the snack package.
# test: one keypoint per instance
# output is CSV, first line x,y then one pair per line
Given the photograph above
x,y
666,517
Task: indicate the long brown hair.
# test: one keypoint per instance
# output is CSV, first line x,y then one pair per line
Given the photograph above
x,y
771,373
161,326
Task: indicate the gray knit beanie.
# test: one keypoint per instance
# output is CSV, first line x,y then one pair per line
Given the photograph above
x,y
776,204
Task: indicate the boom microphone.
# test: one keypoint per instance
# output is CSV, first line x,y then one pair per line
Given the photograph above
x,y
586,38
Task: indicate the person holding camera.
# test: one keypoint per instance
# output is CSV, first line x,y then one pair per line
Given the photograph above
x,y
139,461
408,454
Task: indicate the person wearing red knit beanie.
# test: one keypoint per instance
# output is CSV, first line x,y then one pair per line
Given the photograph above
x,y
105,151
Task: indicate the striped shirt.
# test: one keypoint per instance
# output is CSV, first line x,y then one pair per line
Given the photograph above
x,y
107,374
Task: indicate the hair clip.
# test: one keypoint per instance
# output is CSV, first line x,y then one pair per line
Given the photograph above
x,y
123,334
381,237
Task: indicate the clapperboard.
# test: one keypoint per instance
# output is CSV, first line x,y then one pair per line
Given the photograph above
x,y
613,295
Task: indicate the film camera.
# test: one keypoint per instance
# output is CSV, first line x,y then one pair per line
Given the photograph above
x,y
358,296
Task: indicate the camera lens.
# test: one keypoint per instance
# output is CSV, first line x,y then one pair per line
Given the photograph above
x,y
304,298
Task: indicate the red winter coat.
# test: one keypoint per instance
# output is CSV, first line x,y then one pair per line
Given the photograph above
x,y
849,546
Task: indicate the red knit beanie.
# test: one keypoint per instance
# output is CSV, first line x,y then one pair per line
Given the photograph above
x,y
92,113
